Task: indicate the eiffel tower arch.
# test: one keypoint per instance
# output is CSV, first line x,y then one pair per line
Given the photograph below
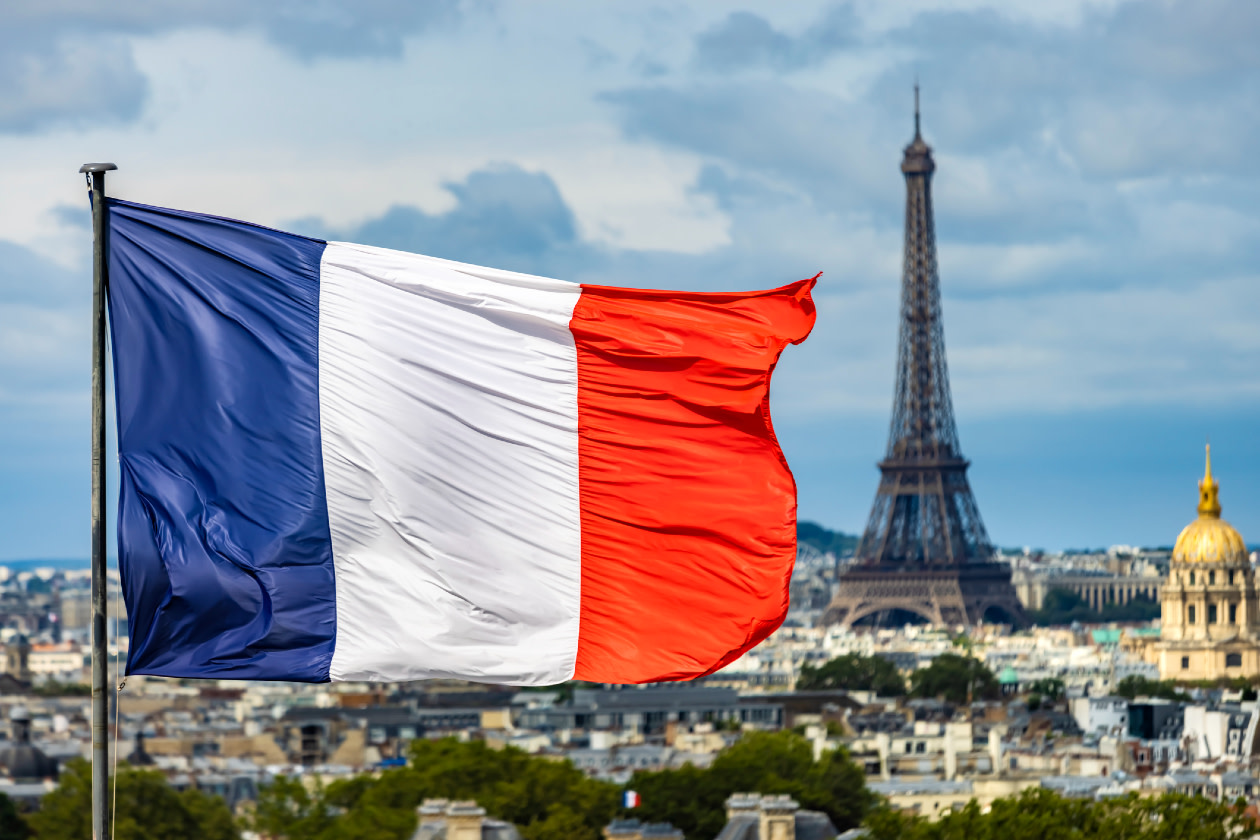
x,y
925,549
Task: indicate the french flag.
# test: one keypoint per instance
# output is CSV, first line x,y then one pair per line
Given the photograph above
x,y
341,462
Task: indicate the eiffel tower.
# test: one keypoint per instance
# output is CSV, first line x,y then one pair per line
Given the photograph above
x,y
924,551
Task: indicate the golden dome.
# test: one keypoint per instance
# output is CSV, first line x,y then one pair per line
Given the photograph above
x,y
1209,539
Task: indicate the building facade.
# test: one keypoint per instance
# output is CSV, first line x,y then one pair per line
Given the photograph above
x,y
1210,625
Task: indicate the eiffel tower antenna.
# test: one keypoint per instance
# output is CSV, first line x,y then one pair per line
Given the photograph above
x,y
925,550
916,107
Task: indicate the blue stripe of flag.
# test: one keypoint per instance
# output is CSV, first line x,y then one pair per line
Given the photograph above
x,y
223,531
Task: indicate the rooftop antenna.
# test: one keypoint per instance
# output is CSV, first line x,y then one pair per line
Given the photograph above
x,y
916,107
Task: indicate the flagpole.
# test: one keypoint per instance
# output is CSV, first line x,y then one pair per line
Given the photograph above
x,y
100,662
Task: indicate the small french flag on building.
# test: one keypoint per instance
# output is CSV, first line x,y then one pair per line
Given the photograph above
x,y
630,799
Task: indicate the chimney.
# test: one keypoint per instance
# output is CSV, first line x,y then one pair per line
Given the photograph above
x,y
742,805
432,811
778,817
883,743
957,739
995,750
463,821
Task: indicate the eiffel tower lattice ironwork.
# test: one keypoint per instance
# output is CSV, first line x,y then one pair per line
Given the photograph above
x,y
925,550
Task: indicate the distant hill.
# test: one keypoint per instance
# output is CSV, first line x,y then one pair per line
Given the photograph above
x,y
824,539
63,563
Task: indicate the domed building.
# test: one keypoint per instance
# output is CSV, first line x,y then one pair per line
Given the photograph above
x,y
22,761
1210,625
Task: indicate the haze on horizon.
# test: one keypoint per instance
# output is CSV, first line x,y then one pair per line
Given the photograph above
x,y
1096,205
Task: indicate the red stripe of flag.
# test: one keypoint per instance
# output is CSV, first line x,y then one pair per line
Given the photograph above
x,y
688,508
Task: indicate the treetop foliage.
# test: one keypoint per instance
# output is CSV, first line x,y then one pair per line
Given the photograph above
x,y
854,672
148,808
694,800
1040,814
952,677
553,800
1135,685
1063,606
1051,688
53,688
547,799
955,679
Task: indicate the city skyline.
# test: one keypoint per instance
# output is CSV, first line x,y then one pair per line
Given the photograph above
x,y
1095,203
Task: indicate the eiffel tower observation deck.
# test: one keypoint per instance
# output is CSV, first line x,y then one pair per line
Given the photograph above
x,y
925,551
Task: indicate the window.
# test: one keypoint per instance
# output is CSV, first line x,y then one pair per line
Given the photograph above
x,y
1191,614
1233,660
1185,662
1231,577
1192,578
1233,613
909,746
1211,613
1212,578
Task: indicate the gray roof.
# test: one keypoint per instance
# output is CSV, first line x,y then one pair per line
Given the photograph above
x,y
810,825
24,790
908,787
490,830
1187,777
1233,778
1075,785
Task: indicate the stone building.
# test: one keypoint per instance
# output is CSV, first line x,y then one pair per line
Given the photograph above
x,y
20,760
751,816
441,819
1210,625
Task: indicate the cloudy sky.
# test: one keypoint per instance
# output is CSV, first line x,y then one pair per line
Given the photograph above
x,y
1096,196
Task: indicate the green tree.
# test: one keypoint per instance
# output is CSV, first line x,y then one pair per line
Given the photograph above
x,y
1051,688
12,826
955,679
147,807
1063,606
286,808
52,688
694,800
548,799
1136,685
1039,814
854,672
560,824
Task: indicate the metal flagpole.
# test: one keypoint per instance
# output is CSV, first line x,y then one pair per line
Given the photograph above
x,y
100,674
